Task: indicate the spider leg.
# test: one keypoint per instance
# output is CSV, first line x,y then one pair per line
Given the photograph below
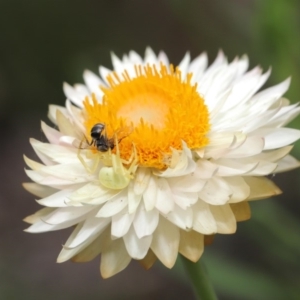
x,y
134,164
86,166
129,160
116,160
96,164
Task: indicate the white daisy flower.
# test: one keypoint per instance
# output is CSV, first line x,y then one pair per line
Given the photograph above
x,y
149,160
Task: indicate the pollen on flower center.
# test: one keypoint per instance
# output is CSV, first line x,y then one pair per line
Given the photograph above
x,y
163,108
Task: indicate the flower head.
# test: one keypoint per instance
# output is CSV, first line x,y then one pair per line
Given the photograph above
x,y
150,159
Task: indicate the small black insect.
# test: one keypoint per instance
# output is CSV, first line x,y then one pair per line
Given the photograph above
x,y
100,140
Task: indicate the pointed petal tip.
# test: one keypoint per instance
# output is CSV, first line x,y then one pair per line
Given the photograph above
x,y
59,260
26,220
86,72
66,87
113,55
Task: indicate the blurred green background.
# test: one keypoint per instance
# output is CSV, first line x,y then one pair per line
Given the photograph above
x,y
46,42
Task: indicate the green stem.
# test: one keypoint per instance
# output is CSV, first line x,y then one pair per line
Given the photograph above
x,y
200,280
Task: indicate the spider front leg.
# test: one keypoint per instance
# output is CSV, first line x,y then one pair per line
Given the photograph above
x,y
133,161
86,166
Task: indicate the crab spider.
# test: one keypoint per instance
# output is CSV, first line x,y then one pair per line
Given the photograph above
x,y
117,176
114,174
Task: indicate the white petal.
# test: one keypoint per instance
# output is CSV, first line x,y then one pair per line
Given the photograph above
x,y
269,95
41,226
136,247
73,172
184,163
51,134
219,145
148,261
135,58
54,153
197,67
232,167
36,217
162,57
114,258
67,253
263,168
76,115
68,141
215,192
182,218
145,222
104,72
219,61
35,165
252,146
120,223
245,87
51,181
92,193
184,199
183,65
274,155
164,197
239,188
75,95
205,169
57,199
150,57
66,127
258,119
165,242
38,190
188,183
93,82
66,214
241,65
92,190
286,164
91,227
150,193
113,206
284,115
52,112
141,180
117,63
191,244
261,187
241,211
204,221
224,217
278,137
92,250
133,199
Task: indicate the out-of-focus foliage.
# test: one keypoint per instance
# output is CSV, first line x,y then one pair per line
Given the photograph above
x,y
46,42
276,34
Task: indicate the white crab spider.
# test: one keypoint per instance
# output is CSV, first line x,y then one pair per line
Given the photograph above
x,y
117,176
113,175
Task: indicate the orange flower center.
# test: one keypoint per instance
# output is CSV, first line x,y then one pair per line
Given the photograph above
x,y
155,110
